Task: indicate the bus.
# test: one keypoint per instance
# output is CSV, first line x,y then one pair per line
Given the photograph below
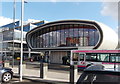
x,y
84,58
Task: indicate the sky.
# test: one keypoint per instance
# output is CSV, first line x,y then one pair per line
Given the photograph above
x,y
104,12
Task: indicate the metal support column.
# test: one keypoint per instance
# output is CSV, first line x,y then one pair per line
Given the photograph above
x,y
73,74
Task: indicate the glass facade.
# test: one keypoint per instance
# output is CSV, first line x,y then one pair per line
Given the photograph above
x,y
17,35
1,38
8,35
67,35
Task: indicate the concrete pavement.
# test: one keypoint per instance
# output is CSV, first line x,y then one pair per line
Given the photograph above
x,y
53,76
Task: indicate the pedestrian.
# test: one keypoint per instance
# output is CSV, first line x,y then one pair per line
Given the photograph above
x,y
63,60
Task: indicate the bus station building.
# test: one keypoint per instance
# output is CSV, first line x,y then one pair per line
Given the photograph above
x,y
56,39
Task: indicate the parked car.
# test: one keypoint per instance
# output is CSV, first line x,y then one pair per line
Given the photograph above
x,y
97,74
6,74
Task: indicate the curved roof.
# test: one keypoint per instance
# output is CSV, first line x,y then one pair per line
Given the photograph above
x,y
108,38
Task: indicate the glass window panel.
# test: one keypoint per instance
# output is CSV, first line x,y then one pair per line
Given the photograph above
x,y
47,39
7,35
17,35
67,35
76,35
103,57
62,38
58,36
38,39
54,37
71,36
35,43
96,36
91,57
91,37
85,37
31,41
51,37
48,29
44,40
80,34
34,39
41,40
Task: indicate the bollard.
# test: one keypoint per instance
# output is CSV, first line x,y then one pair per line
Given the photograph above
x,y
19,67
73,74
23,67
43,70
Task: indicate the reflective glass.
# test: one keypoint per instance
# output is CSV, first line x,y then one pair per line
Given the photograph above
x,y
67,35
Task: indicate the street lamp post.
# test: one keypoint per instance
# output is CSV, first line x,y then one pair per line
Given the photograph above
x,y
21,57
13,51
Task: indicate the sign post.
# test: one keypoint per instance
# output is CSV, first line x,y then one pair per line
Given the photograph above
x,y
21,57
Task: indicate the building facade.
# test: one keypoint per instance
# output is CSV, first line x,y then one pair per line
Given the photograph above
x,y
10,42
59,37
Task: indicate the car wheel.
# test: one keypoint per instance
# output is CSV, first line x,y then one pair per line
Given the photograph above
x,y
6,77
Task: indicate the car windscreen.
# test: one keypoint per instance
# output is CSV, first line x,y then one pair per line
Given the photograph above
x,y
98,78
